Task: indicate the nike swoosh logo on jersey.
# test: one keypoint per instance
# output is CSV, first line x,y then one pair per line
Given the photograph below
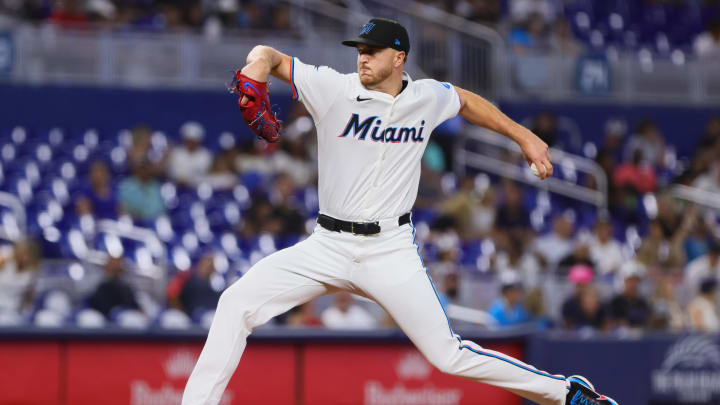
x,y
362,99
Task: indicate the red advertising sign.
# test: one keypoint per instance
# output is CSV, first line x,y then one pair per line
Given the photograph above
x,y
155,374
367,374
29,373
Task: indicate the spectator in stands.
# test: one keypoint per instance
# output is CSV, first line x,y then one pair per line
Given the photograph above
x,y
509,308
697,243
667,314
114,292
529,35
535,307
141,151
521,10
69,14
707,44
511,257
481,11
705,266
605,250
562,40
222,176
19,267
462,206
35,10
580,255
702,310
303,316
545,126
430,189
711,138
634,177
258,217
198,294
190,162
140,194
288,211
670,216
584,308
253,157
710,180
615,130
558,244
484,213
706,153
512,217
658,253
450,289
629,308
344,314
98,198
649,142
293,159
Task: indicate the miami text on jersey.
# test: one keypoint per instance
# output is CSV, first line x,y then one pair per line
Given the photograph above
x,y
372,125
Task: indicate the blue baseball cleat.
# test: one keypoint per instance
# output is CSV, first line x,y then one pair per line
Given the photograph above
x,y
582,392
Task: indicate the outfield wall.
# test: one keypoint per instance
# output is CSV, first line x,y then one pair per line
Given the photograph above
x,y
320,367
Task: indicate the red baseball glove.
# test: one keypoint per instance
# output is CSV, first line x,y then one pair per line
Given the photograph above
x,y
256,113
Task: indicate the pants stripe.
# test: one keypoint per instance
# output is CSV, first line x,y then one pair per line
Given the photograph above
x,y
427,273
458,337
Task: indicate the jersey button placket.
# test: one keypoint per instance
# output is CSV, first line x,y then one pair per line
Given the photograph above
x,y
383,149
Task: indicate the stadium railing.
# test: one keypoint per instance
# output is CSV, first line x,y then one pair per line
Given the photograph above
x,y
485,150
445,47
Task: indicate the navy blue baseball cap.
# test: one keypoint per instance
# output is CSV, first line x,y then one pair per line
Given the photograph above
x,y
384,33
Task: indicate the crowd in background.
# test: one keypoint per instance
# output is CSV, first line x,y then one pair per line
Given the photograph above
x,y
648,261
565,26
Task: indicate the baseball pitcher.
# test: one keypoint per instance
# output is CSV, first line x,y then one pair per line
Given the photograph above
x,y
372,129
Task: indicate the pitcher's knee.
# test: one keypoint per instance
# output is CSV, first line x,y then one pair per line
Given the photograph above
x,y
445,362
235,300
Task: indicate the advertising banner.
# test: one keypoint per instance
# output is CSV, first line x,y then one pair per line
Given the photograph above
x,y
29,373
128,373
390,374
686,371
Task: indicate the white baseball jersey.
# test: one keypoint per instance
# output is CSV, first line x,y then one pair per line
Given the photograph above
x,y
370,144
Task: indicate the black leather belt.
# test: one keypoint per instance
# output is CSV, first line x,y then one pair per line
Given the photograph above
x,y
357,228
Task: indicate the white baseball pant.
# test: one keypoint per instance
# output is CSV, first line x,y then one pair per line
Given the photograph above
x,y
386,268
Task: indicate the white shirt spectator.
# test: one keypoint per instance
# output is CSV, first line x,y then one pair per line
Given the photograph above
x,y
190,162
553,248
354,318
189,167
710,180
344,314
520,10
13,286
707,46
705,312
700,269
301,171
607,256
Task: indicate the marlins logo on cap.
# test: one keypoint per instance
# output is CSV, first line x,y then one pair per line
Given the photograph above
x,y
384,33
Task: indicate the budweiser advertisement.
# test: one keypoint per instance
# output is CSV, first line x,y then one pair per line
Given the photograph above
x,y
369,374
155,374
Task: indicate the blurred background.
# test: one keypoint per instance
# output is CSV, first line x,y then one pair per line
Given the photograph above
x,y
132,195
